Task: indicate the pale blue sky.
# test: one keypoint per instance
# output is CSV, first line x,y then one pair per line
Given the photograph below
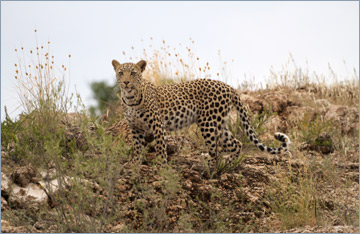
x,y
257,35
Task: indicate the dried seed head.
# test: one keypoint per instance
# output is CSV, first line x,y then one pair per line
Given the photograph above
x,y
17,72
35,30
69,55
15,77
15,50
30,51
217,74
15,65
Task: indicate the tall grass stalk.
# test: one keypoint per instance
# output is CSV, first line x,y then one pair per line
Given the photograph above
x,y
40,83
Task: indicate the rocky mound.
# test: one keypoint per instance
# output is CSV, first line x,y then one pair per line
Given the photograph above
x,y
184,196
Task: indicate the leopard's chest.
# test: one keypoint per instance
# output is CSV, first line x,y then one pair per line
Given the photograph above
x,y
137,120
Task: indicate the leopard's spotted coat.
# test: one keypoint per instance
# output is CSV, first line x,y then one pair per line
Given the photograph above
x,y
151,109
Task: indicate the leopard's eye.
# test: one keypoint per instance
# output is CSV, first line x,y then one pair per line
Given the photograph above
x,y
121,73
133,73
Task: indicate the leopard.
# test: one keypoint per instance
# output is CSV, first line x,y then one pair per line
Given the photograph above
x,y
150,109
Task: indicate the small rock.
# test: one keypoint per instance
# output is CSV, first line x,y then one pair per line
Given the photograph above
x,y
23,175
157,185
224,177
4,204
323,144
188,184
119,228
4,185
40,225
121,187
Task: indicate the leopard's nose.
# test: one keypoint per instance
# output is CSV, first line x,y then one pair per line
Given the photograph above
x,y
126,83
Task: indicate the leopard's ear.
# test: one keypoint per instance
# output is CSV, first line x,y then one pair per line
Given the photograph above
x,y
115,64
141,64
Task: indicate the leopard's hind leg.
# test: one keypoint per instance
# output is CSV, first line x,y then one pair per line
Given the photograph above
x,y
230,144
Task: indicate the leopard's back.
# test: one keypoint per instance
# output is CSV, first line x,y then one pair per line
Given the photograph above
x,y
182,104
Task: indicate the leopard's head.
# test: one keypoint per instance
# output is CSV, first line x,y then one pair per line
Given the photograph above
x,y
129,78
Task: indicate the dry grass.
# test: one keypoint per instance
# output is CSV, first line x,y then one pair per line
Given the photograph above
x,y
319,86
171,63
40,81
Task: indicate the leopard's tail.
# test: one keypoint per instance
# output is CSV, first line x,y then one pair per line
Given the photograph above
x,y
251,134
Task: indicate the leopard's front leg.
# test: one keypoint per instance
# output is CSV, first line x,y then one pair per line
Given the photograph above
x,y
159,134
138,144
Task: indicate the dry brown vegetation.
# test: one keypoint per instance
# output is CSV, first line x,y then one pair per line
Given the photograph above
x,y
65,172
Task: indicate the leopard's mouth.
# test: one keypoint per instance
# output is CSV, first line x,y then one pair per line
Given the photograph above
x,y
130,94
132,99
